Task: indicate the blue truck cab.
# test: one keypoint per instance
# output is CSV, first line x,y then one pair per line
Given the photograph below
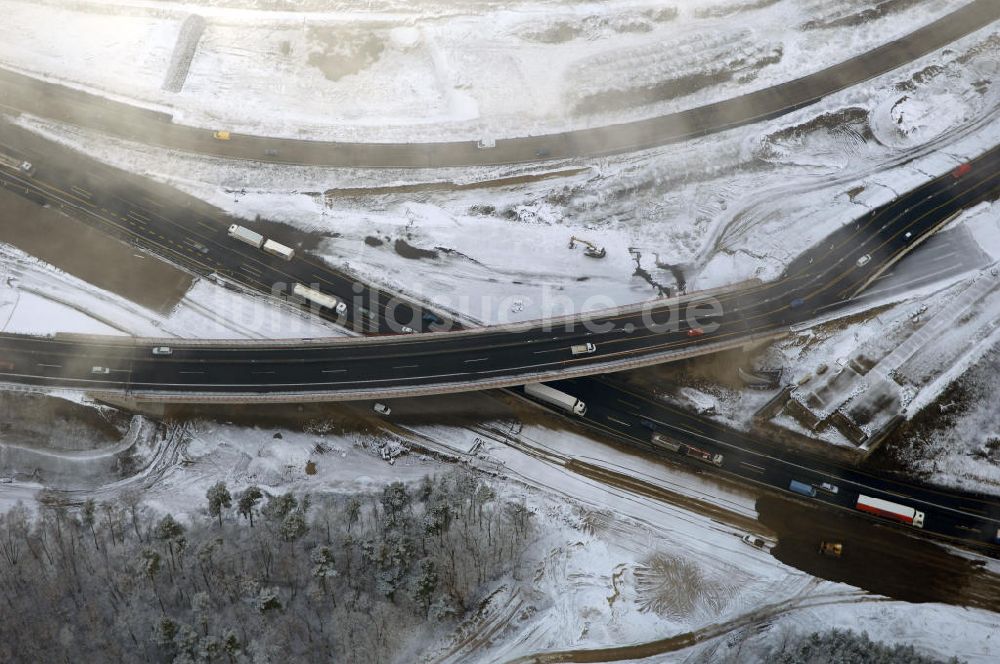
x,y
802,488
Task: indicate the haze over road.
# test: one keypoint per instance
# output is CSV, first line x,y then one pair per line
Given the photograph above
x,y
48,100
359,368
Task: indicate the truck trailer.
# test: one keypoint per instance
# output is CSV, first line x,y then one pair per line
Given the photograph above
x,y
703,456
802,488
888,510
567,402
246,235
666,443
279,250
320,299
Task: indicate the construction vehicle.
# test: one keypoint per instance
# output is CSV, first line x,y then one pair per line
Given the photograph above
x,y
592,250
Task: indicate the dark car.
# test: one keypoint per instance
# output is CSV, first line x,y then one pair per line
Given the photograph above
x,y
646,423
796,303
432,318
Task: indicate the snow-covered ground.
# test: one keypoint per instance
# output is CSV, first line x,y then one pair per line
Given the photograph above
x,y
430,70
958,442
36,298
610,566
722,209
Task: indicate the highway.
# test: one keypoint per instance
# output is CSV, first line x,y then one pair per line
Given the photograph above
x,y
402,365
48,100
633,417
189,233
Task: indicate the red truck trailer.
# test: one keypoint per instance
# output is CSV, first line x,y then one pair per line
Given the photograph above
x,y
888,510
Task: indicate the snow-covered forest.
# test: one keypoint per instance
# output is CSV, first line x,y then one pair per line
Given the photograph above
x,y
255,578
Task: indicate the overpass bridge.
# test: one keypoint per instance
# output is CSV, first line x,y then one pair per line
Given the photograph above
x,y
463,360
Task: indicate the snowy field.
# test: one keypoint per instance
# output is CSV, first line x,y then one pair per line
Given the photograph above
x,y
430,70
493,243
36,298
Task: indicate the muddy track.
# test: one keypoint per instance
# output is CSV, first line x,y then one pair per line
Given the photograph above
x,y
762,615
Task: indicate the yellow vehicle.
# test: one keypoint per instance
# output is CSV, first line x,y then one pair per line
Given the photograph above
x,y
832,549
220,135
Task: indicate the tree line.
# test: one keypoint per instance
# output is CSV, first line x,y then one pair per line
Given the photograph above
x,y
255,578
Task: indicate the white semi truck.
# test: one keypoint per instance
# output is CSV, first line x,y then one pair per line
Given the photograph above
x,y
258,241
320,299
567,402
254,239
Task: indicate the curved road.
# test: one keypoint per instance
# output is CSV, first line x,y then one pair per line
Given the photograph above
x,y
30,95
359,368
633,416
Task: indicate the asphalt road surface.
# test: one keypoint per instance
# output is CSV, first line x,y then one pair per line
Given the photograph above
x,y
48,100
399,365
192,234
634,417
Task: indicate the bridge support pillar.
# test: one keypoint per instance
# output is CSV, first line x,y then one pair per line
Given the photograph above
x,y
147,408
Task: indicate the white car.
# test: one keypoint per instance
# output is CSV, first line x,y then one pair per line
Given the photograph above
x,y
100,370
583,349
26,167
162,350
754,541
381,408
829,488
406,329
864,260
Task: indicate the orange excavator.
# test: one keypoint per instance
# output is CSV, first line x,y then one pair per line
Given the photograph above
x,y
592,250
